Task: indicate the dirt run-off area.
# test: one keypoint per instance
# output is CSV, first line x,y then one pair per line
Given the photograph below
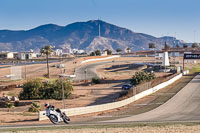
x,y
139,129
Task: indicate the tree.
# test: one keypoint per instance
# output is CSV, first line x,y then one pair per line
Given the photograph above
x,y
141,77
118,50
92,54
98,52
152,45
36,89
32,89
128,50
185,45
47,50
195,45
109,52
57,88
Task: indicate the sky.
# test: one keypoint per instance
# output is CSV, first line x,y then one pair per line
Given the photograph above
x,y
178,18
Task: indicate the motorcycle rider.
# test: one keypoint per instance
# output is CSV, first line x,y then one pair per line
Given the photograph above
x,y
51,107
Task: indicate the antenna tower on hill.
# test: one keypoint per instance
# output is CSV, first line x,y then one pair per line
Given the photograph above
x,y
99,31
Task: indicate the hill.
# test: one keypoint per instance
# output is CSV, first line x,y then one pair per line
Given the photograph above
x,y
81,35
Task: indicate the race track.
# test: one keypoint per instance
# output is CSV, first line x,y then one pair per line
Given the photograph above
x,y
184,106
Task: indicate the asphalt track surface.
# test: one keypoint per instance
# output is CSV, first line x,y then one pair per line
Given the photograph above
x,y
87,72
184,106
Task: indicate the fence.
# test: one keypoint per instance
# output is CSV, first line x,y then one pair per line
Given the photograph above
x,y
141,88
16,72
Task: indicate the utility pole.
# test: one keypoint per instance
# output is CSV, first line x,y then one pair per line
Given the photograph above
x,y
62,82
25,65
63,94
99,30
85,74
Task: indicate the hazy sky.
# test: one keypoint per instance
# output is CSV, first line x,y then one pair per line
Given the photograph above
x,y
180,18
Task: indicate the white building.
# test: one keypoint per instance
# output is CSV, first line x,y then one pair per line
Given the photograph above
x,y
58,52
6,55
127,50
66,50
77,51
81,51
25,55
105,53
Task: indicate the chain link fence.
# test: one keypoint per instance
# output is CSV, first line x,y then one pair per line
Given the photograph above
x,y
16,72
140,88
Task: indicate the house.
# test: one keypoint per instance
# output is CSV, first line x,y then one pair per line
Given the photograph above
x,y
66,50
58,52
25,55
105,53
6,55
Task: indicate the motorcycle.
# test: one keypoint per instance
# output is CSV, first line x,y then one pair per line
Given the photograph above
x,y
56,116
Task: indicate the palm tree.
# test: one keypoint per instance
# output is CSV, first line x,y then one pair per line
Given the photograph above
x,y
152,45
47,50
118,50
128,50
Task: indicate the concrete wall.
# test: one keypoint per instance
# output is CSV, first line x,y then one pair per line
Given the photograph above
x,y
98,59
109,106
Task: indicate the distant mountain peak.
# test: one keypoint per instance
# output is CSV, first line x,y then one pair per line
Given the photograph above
x,y
81,35
96,21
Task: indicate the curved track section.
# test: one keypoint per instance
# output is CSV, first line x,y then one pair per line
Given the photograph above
x,y
184,106
87,72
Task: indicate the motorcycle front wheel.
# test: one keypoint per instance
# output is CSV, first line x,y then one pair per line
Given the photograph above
x,y
53,119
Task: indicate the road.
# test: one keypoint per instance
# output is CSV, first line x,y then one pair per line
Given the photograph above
x,y
87,72
184,106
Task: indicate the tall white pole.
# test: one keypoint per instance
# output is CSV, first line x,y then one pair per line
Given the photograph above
x,y
99,31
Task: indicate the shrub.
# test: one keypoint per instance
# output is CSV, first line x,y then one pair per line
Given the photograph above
x,y
35,107
36,89
92,54
57,89
97,52
96,80
9,105
32,89
140,77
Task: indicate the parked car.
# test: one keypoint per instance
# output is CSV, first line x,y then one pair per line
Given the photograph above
x,y
126,86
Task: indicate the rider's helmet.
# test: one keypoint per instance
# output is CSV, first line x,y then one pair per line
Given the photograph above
x,y
46,105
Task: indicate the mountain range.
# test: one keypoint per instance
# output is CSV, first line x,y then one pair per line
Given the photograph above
x,y
80,35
